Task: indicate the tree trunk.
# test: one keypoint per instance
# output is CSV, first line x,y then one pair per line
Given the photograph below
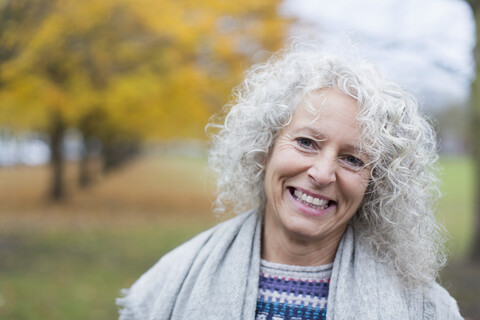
x,y
57,130
475,251
85,126
108,155
84,176
92,126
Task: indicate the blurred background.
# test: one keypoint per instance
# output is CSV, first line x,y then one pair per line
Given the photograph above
x,y
103,106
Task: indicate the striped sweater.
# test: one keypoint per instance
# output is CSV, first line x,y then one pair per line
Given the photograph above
x,y
292,292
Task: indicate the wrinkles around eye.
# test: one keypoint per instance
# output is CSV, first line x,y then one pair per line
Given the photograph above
x,y
354,161
305,142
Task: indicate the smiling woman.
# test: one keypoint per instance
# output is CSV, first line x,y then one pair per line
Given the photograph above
x,y
330,169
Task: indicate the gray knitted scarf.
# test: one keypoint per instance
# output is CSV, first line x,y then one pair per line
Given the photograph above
x,y
215,276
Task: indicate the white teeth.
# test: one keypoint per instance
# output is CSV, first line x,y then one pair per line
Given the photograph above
x,y
321,203
298,194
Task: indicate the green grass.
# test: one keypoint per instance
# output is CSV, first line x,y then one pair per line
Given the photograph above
x,y
69,261
77,274
456,206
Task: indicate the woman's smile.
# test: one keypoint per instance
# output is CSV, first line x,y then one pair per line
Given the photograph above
x,y
310,203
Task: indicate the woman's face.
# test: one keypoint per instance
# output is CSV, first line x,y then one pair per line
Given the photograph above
x,y
315,176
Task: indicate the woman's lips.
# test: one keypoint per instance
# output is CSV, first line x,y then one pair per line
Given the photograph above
x,y
310,203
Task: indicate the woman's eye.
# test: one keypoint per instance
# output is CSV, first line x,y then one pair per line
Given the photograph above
x,y
354,161
305,142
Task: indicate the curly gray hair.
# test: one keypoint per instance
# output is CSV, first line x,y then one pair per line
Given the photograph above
x,y
396,218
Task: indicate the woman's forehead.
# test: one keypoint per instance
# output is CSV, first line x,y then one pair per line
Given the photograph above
x,y
328,102
314,100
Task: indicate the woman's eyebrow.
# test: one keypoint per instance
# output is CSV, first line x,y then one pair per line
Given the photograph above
x,y
317,135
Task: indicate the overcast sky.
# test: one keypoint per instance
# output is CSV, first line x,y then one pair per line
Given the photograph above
x,y
426,45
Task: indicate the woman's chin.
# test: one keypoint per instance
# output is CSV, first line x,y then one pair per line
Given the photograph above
x,y
302,228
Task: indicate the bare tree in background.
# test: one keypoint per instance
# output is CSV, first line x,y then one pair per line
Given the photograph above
x,y
475,111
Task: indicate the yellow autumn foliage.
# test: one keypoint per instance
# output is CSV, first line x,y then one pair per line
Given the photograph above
x,y
155,68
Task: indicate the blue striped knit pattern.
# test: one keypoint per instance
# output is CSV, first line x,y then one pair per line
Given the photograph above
x,y
292,292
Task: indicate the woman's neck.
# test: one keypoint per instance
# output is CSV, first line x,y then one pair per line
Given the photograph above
x,y
281,246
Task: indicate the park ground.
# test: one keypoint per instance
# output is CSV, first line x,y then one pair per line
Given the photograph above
x,y
69,260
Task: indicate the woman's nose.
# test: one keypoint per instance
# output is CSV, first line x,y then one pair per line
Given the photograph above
x,y
323,170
